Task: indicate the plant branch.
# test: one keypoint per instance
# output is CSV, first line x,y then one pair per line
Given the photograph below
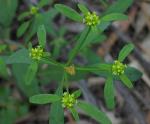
x,y
77,47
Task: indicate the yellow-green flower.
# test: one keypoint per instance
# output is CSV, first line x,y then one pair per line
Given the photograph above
x,y
91,19
36,53
118,68
70,70
34,10
68,100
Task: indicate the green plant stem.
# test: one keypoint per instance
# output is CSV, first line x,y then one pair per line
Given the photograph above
x,y
99,67
53,62
64,81
78,47
87,69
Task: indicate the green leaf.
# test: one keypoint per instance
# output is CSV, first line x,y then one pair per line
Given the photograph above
x,y
31,72
20,56
48,21
126,81
43,3
47,75
41,35
83,8
3,69
36,21
44,18
118,6
69,12
22,28
7,12
77,93
56,109
23,15
94,112
109,93
10,113
4,94
18,71
29,46
79,44
114,17
133,74
44,98
125,51
75,114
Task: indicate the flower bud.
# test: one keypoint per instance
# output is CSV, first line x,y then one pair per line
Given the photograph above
x,y
36,53
118,68
70,70
34,10
91,19
68,100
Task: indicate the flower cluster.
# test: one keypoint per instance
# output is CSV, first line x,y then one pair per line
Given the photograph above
x,y
118,68
36,53
91,19
34,10
68,100
70,70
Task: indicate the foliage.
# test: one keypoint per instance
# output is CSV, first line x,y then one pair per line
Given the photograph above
x,y
7,13
37,65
